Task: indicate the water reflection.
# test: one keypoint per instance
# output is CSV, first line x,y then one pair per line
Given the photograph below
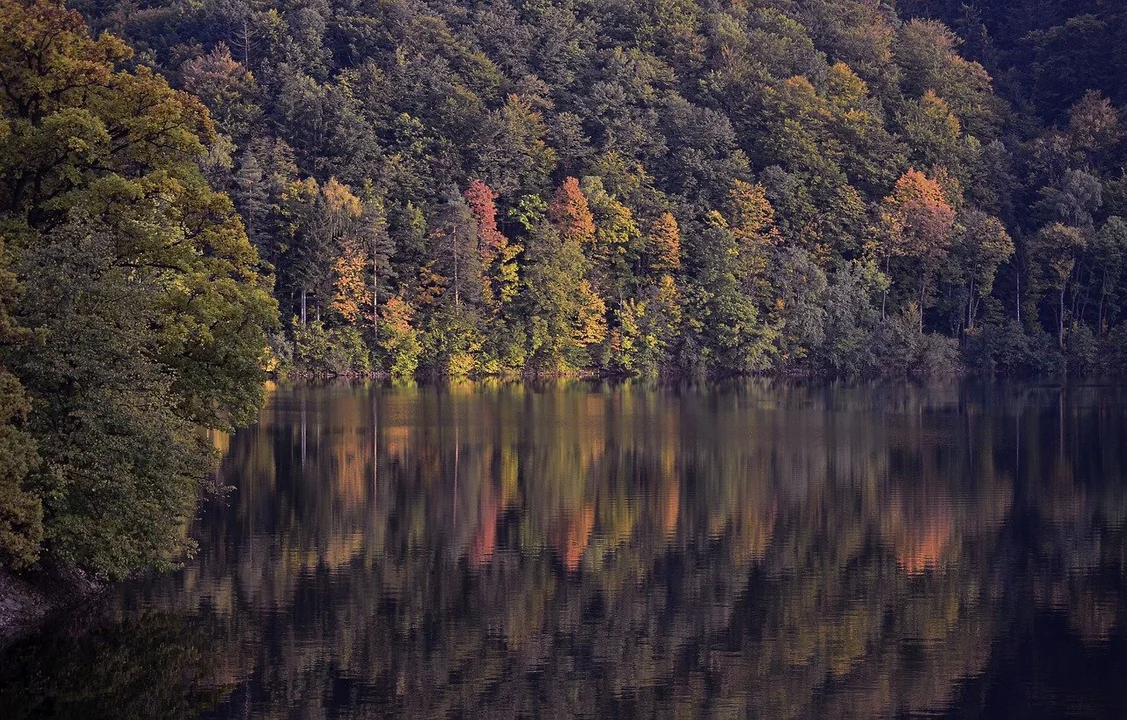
x,y
761,549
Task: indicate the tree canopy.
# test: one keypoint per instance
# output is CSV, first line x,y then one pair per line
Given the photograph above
x,y
132,306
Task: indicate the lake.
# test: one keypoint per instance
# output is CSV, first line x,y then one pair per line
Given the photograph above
x,y
763,549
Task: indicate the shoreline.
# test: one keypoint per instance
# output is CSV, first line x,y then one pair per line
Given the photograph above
x,y
28,602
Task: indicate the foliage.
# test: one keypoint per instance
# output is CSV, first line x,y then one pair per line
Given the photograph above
x,y
531,179
21,511
338,351
528,181
142,300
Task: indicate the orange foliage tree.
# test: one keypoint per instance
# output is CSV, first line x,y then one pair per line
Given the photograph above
x,y
571,214
917,222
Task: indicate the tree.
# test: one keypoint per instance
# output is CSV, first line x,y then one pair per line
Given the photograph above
x,y
979,249
1072,200
571,215
225,87
934,133
121,467
306,268
147,311
21,511
340,213
514,156
251,194
723,319
350,281
500,280
1055,249
1111,252
493,249
397,339
375,239
802,289
664,244
458,254
752,224
616,250
926,51
917,222
1093,125
566,314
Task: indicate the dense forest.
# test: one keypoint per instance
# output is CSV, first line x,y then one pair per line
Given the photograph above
x,y
627,187
612,187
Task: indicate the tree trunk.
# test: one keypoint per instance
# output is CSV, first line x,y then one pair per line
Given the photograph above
x,y
375,301
1060,321
1103,301
456,304
303,294
923,291
971,307
884,295
1019,297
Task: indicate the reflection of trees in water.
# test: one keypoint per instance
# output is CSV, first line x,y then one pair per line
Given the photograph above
x,y
770,549
147,666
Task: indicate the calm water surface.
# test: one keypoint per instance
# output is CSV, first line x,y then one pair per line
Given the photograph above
x,y
752,550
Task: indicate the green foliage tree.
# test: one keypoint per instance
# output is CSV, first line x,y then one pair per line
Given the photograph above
x,y
567,315
147,309
21,511
1055,249
980,246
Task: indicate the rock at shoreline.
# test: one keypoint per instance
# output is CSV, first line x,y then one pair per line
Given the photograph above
x,y
26,603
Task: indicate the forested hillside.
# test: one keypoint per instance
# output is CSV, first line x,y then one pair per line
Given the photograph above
x,y
644,186
612,187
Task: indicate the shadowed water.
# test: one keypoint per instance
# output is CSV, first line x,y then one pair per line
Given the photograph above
x,y
750,550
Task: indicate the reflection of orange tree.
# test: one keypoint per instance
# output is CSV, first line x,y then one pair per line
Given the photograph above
x,y
557,550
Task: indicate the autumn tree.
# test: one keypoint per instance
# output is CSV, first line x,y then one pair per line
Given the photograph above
x,y
616,252
496,256
500,278
570,214
398,340
1093,125
752,224
342,214
917,222
664,244
226,87
566,314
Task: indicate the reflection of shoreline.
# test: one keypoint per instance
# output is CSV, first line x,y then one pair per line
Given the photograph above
x,y
638,551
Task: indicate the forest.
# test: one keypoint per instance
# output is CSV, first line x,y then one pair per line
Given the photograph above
x,y
666,187
193,195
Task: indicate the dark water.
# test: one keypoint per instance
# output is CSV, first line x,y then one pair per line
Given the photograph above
x,y
754,550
